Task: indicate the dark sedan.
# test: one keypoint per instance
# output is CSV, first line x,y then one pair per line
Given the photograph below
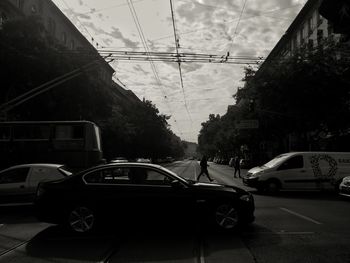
x,y
137,192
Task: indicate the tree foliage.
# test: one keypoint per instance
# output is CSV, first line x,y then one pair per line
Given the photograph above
x,y
29,57
305,94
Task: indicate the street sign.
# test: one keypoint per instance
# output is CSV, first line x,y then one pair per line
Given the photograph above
x,y
247,124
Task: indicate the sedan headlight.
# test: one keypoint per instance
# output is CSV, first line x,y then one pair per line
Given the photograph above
x,y
246,198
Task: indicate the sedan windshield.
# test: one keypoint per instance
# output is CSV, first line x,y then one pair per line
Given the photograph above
x,y
63,170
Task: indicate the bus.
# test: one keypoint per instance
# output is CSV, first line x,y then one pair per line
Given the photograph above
x,y
76,144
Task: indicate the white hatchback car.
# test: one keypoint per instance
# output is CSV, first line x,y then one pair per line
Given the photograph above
x,y
344,187
18,184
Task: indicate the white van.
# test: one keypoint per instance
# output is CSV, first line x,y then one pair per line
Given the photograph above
x,y
300,170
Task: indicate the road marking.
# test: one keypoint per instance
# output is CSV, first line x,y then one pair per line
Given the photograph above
x,y
282,232
201,256
16,204
301,216
13,248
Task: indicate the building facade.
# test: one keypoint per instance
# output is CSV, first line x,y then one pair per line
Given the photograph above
x,y
58,26
308,30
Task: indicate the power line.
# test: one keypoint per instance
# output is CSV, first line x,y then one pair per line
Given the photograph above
x,y
231,21
177,44
81,24
239,20
144,43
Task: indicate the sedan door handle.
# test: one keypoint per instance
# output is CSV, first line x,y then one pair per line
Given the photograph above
x,y
22,186
302,171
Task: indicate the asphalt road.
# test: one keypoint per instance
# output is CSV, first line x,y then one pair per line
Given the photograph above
x,y
289,227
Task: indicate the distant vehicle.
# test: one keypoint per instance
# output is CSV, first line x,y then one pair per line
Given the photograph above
x,y
300,170
344,187
119,160
77,144
231,162
169,159
245,163
143,160
18,184
136,193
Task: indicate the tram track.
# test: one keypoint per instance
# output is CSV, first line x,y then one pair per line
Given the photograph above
x,y
13,248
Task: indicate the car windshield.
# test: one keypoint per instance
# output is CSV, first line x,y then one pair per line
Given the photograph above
x,y
276,161
175,175
64,170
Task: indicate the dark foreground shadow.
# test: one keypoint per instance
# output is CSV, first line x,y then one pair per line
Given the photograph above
x,y
132,243
312,195
17,214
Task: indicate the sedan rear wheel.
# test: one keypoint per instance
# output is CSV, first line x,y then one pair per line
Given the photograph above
x,y
226,216
81,219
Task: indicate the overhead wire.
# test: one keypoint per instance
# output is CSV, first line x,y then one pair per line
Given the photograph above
x,y
153,67
177,44
237,25
231,21
81,24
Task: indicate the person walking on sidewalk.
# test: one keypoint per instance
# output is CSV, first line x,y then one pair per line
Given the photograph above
x,y
204,168
237,165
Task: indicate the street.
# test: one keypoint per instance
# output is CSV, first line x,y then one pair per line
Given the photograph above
x,y
289,227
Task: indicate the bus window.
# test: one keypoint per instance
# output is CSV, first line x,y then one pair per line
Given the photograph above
x,y
68,132
37,132
5,133
98,138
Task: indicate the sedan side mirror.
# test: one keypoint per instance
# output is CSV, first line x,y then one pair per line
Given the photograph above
x,y
176,184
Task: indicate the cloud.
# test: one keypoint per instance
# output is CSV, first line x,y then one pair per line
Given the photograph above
x,y
116,34
138,68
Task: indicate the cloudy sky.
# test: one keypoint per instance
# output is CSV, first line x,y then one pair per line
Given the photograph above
x,y
242,27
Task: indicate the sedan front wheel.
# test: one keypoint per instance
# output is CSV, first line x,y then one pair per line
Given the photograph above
x,y
81,219
226,216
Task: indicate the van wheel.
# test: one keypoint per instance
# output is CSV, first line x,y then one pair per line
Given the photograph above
x,y
273,186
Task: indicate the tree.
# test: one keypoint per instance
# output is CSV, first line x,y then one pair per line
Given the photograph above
x,y
29,57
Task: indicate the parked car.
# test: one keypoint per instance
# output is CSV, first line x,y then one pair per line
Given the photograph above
x,y
344,187
143,160
119,160
18,184
300,170
245,163
137,192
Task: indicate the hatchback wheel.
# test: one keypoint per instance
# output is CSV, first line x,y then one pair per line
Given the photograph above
x,y
81,219
226,216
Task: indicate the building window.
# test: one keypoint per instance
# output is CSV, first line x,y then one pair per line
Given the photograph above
x,y
64,38
311,25
310,44
52,27
302,36
72,44
330,29
295,43
318,18
319,36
